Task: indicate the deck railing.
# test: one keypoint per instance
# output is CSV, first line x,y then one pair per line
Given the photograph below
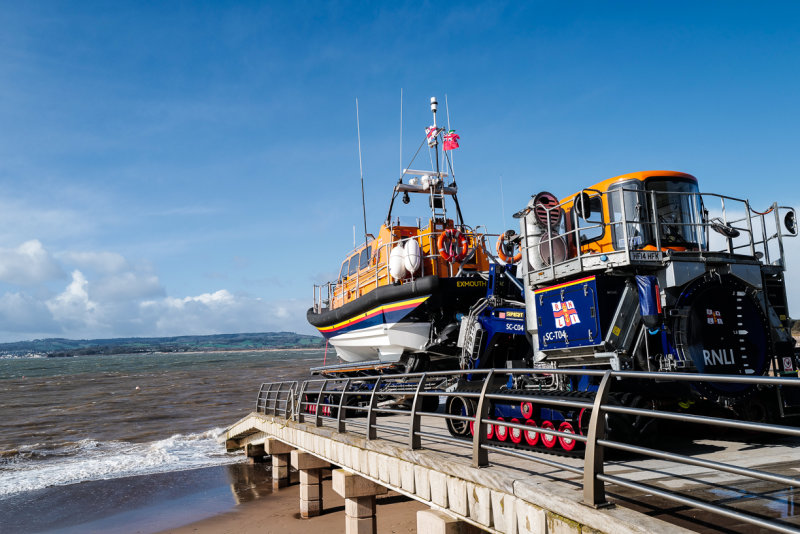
x,y
710,223
336,292
355,405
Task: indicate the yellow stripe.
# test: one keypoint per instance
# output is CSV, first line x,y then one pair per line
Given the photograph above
x,y
374,310
566,284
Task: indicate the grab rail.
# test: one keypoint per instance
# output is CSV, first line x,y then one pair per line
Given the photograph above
x,y
334,292
741,230
354,404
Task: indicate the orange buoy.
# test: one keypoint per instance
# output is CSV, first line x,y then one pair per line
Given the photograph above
x,y
501,253
453,246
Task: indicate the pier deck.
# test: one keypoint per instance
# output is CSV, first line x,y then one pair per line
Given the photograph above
x,y
514,495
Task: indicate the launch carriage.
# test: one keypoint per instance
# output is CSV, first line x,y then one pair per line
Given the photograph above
x,y
640,272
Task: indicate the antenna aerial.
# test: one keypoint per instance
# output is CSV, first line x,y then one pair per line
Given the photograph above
x,y
401,131
361,171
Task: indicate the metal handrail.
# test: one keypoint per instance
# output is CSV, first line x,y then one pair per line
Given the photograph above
x,y
379,272
333,394
749,224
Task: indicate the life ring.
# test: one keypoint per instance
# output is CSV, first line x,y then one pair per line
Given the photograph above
x,y
452,245
501,253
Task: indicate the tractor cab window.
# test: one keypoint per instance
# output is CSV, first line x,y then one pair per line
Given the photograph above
x,y
627,204
678,210
666,205
590,227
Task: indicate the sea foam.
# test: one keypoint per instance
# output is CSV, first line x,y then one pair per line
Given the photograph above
x,y
33,468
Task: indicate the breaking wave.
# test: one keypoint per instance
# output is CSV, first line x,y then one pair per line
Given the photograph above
x,y
36,467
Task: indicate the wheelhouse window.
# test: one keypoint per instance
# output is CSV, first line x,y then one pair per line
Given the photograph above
x,y
353,265
343,272
365,255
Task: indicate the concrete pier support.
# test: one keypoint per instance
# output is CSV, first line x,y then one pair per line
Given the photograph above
x,y
359,501
310,468
280,461
255,453
436,522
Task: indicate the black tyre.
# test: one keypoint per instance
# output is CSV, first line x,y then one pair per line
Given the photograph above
x,y
459,406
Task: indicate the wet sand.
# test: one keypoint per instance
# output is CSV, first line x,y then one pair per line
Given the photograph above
x,y
236,498
280,514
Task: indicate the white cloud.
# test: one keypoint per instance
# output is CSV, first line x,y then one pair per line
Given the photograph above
x,y
109,296
72,308
222,312
28,264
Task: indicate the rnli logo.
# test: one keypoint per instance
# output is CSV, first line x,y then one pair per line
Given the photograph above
x,y
471,283
565,314
713,317
719,357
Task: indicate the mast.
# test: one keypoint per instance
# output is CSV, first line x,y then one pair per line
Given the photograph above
x,y
434,107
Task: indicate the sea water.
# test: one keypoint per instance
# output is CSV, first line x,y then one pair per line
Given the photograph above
x,y
67,421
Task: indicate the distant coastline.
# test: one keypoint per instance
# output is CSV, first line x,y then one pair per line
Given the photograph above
x,y
64,348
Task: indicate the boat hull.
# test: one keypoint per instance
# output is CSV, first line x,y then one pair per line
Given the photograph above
x,y
386,342
392,321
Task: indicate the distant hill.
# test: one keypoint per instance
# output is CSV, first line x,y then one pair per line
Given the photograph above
x,y
71,347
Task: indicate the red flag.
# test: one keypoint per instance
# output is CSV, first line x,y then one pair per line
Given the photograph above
x,y
451,140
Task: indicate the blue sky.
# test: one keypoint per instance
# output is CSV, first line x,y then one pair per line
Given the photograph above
x,y
185,167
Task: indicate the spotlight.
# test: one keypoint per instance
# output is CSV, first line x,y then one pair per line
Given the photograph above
x,y
790,223
406,198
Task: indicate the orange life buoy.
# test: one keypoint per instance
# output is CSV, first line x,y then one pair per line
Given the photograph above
x,y
452,245
501,253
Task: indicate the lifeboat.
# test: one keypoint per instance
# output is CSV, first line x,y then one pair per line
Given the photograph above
x,y
399,296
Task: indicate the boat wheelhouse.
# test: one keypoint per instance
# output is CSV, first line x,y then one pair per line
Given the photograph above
x,y
398,296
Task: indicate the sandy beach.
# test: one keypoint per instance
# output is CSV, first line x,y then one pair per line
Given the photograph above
x,y
279,513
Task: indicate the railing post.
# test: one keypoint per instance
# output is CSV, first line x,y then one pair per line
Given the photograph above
x,y
764,237
414,440
318,412
258,399
778,232
289,399
276,397
750,228
266,397
371,414
594,492
480,456
301,416
340,424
